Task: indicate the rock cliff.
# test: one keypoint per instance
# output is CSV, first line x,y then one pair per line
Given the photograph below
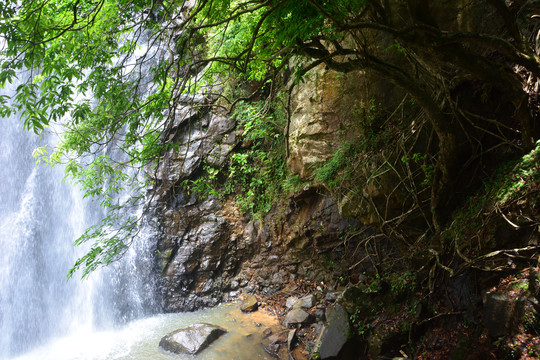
x,y
365,155
209,252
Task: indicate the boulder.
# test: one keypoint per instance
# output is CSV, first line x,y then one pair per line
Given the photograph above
x,y
307,302
250,304
355,299
502,313
319,315
297,317
335,333
191,340
291,301
332,296
280,338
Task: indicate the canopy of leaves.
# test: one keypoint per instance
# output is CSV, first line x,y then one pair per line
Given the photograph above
x,y
112,73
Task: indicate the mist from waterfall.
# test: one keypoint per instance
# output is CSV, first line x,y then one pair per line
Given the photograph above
x,y
40,217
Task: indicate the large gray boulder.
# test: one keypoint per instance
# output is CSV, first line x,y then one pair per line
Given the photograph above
x,y
297,317
191,340
335,333
308,301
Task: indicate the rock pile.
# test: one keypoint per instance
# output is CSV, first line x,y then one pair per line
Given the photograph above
x,y
326,323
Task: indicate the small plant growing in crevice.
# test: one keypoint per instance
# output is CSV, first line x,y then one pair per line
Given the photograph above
x,y
427,167
366,114
255,175
342,158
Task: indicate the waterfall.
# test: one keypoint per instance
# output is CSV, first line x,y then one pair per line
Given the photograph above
x,y
39,219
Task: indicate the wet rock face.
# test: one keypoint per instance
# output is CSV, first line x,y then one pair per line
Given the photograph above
x,y
208,252
191,340
198,257
200,136
195,249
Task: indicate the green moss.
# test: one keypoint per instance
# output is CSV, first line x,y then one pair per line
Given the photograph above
x,y
345,155
366,114
524,175
512,181
165,258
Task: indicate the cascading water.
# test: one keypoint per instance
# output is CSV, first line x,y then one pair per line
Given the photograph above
x,y
106,317
39,218
45,317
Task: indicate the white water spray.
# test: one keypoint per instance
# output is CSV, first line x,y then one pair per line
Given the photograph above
x,y
40,217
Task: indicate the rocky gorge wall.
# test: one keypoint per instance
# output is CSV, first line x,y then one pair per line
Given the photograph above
x,y
208,252
370,215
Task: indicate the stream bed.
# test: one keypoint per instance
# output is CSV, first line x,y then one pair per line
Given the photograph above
x,y
138,340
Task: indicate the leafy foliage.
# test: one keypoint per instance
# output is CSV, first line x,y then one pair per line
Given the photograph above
x,y
112,74
509,195
256,175
73,62
344,157
524,177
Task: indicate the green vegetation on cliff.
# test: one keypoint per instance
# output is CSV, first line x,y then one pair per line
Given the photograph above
x,y
256,174
115,74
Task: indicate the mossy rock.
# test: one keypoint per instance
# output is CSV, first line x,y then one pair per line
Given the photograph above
x,y
250,304
383,338
360,300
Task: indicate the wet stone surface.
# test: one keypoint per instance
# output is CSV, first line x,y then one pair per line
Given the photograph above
x,y
191,340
